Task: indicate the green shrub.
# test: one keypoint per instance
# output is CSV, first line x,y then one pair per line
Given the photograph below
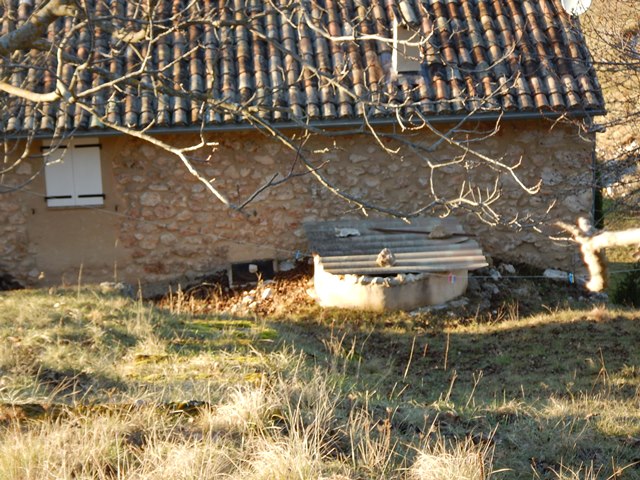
x,y
627,291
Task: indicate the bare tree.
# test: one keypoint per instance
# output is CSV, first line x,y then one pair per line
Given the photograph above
x,y
612,29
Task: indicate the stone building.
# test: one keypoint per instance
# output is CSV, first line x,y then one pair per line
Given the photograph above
x,y
500,76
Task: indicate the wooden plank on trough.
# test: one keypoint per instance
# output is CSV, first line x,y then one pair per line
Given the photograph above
x,y
416,269
411,254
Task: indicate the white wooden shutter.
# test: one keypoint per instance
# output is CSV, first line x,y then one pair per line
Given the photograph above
x,y
58,173
405,58
87,175
73,175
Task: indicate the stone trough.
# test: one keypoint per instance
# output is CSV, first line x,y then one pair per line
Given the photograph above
x,y
381,265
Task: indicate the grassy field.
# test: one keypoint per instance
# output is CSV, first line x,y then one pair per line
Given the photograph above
x,y
96,386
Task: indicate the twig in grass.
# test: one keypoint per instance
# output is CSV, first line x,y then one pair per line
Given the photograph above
x,y
406,370
79,280
454,377
603,372
476,380
446,352
617,471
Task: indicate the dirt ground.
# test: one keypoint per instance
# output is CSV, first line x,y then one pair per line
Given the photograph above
x,y
493,294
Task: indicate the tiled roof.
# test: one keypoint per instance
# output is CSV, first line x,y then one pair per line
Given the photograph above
x,y
308,60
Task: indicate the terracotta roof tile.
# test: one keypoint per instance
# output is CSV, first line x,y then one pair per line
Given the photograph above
x,y
308,60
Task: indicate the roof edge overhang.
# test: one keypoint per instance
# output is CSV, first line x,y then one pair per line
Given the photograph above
x,y
329,124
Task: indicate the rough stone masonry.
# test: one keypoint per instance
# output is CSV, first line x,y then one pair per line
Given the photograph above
x,y
159,224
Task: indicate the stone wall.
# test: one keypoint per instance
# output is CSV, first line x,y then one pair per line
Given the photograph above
x,y
164,225
15,254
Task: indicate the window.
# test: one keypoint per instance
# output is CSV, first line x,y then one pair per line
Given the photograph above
x,y
406,49
73,176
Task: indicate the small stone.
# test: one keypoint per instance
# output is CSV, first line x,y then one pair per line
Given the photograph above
x,y
184,215
347,232
494,274
558,275
377,281
118,288
148,242
24,169
491,288
286,266
523,292
164,211
264,159
507,268
148,151
372,182
600,297
231,172
459,303
150,199
356,157
385,258
248,299
167,238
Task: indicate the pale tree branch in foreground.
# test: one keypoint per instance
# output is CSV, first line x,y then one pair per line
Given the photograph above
x,y
592,244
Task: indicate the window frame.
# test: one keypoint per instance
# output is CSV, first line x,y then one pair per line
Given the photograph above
x,y
73,173
403,54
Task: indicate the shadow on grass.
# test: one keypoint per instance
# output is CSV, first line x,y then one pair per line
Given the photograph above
x,y
540,356
547,391
74,385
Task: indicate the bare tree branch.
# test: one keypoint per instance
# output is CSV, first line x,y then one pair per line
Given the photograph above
x,y
592,245
23,37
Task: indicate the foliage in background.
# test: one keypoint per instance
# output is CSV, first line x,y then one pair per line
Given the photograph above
x,y
627,289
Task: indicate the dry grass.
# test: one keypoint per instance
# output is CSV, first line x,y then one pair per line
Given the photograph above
x,y
460,459
95,386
